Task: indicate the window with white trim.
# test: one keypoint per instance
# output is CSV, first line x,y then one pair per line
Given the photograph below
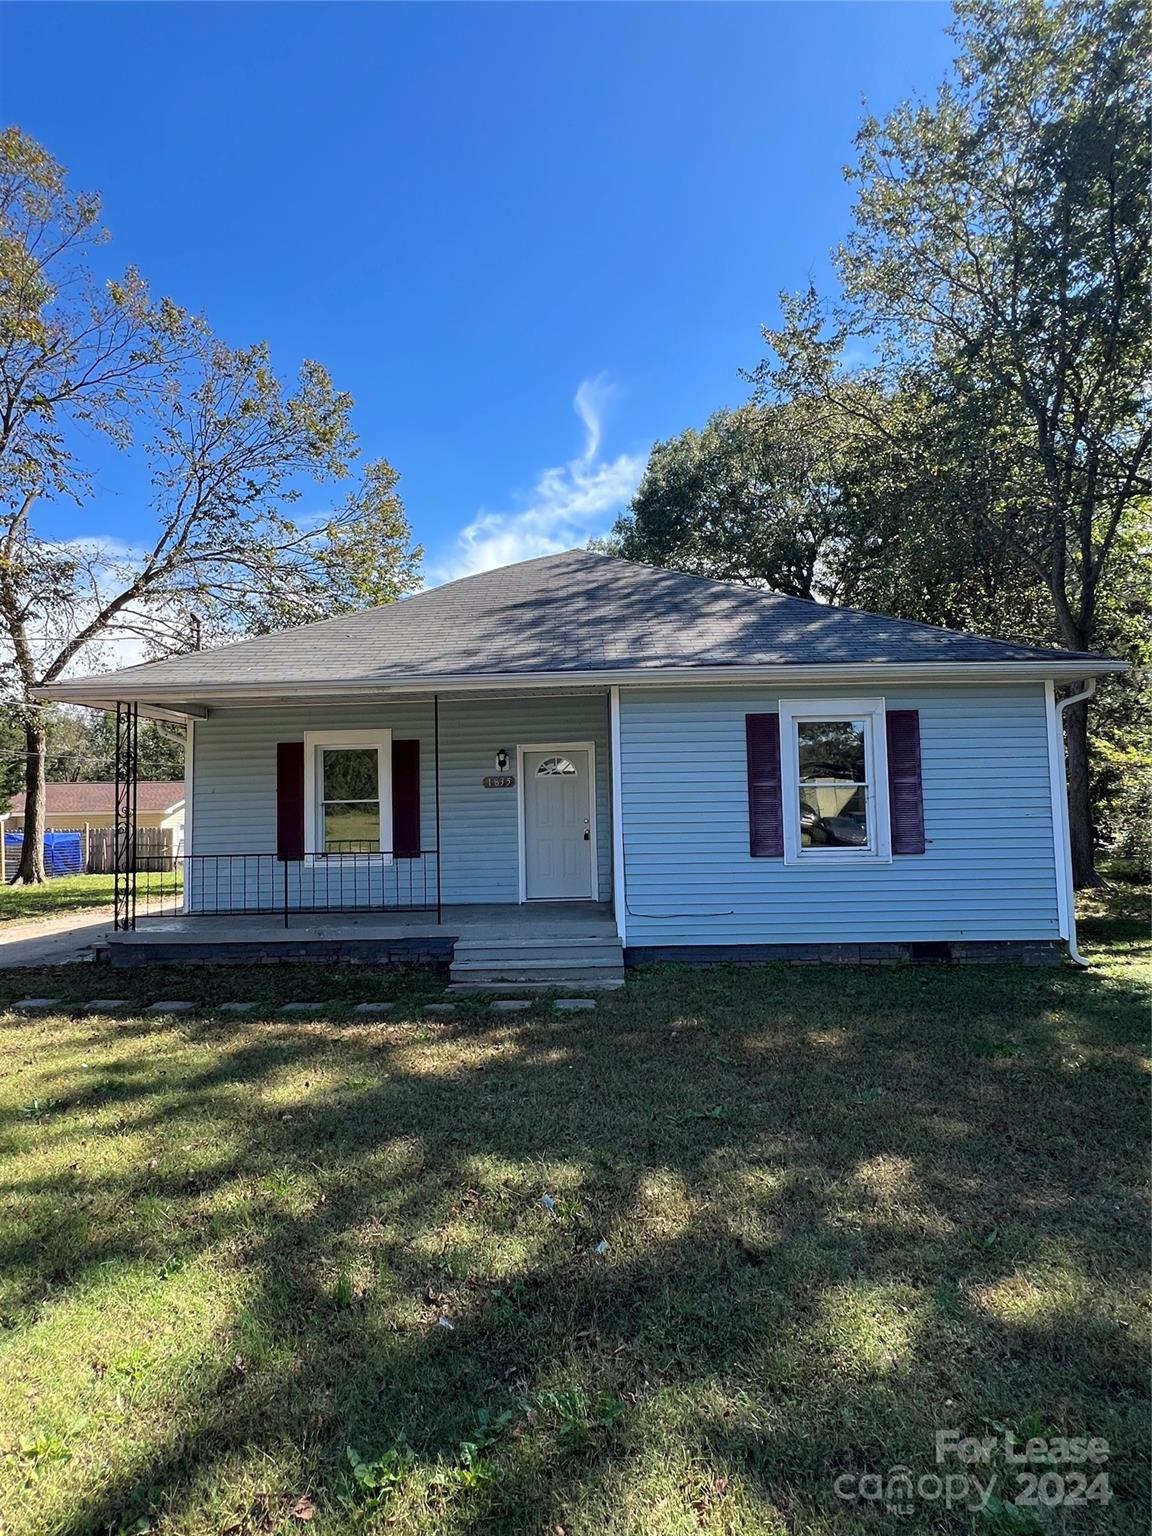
x,y
347,785
833,770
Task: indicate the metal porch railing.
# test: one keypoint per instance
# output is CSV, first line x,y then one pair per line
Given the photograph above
x,y
261,884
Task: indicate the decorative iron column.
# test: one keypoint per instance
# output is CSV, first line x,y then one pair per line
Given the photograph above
x,y
436,755
124,836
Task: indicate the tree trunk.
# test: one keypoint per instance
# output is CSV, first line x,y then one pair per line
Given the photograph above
x,y
30,869
1079,798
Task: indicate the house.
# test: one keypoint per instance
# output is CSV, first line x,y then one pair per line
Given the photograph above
x,y
72,807
683,768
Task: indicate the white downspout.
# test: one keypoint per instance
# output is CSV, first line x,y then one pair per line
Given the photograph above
x,y
1060,814
619,878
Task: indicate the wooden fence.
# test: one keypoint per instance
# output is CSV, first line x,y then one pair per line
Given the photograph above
x,y
155,848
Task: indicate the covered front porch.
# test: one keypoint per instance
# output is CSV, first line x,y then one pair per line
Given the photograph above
x,y
483,945
396,821
469,921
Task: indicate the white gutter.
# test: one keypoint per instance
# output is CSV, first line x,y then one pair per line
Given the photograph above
x,y
103,692
1065,886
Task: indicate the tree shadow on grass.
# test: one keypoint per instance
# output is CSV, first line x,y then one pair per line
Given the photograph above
x,y
833,1224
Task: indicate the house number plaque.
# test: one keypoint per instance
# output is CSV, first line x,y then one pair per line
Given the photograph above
x,y
499,781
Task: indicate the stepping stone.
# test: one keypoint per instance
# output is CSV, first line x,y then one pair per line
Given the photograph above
x,y
106,1004
34,1004
235,1007
174,1007
575,1004
438,1010
509,1004
374,1010
302,1008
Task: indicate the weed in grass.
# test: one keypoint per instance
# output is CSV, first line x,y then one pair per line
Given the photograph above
x,y
376,1482
487,1430
475,1470
580,1420
38,1109
983,1240
37,1451
998,1517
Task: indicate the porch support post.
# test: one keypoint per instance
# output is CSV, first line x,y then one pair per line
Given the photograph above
x,y
124,830
619,883
436,770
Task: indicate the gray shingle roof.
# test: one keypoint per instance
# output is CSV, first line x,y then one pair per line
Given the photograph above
x,y
573,612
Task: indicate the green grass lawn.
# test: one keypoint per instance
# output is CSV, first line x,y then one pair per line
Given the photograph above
x,y
77,893
262,1276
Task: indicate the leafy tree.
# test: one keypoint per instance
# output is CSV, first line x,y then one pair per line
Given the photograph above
x,y
366,559
1000,251
920,535
228,441
753,497
160,751
80,748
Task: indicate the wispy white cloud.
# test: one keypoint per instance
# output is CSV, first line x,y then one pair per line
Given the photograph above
x,y
592,397
567,505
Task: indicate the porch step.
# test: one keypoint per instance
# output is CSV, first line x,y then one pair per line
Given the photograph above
x,y
519,964
515,954
464,988
607,941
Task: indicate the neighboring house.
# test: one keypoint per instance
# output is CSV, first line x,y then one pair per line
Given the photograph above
x,y
733,773
71,807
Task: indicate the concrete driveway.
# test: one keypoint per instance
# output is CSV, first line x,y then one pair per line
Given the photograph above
x,y
55,940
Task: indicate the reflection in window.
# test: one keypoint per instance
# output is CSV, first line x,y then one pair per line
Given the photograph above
x,y
833,783
553,765
350,799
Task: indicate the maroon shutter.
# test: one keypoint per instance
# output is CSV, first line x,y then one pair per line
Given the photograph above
x,y
289,799
406,799
905,788
765,808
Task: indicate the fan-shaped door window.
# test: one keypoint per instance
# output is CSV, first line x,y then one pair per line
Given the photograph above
x,y
555,765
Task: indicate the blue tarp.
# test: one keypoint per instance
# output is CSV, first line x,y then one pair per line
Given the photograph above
x,y
63,854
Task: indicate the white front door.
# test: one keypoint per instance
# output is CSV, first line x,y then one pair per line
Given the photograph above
x,y
559,838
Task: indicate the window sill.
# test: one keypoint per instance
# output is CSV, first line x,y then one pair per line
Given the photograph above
x,y
822,860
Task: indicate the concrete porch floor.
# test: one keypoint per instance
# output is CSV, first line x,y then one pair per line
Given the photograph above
x,y
546,920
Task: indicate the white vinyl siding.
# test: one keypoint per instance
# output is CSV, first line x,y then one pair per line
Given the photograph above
x,y
988,871
235,775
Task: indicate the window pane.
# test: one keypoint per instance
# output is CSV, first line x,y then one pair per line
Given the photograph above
x,y
350,773
352,828
831,749
833,816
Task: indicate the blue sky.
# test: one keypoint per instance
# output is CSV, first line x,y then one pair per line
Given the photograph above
x,y
529,239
